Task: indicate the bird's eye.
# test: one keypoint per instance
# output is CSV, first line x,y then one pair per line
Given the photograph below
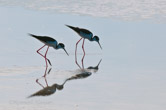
x,y
62,45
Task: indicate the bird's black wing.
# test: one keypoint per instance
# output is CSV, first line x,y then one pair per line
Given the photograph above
x,y
43,38
78,30
85,31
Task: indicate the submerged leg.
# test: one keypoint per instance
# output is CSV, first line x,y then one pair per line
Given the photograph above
x,y
84,54
76,54
43,55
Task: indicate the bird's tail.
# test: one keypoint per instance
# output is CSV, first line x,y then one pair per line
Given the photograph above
x,y
35,36
32,35
30,96
70,26
76,29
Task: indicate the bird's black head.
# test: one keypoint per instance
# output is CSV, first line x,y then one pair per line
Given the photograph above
x,y
96,38
61,45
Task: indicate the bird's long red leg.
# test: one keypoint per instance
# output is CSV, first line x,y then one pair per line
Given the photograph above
x,y
43,55
39,50
45,73
84,54
76,54
46,57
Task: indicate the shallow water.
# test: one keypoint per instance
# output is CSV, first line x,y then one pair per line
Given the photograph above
x,y
131,75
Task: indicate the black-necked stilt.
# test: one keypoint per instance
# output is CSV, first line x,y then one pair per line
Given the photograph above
x,y
85,34
50,42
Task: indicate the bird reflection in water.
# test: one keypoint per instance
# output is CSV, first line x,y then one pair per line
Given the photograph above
x,y
82,75
94,68
44,76
49,90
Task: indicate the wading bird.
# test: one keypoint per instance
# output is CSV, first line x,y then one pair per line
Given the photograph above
x,y
85,34
50,42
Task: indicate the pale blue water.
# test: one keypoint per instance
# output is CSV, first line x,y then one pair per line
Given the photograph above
x,y
131,75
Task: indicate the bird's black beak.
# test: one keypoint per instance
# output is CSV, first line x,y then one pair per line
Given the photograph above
x,y
65,51
99,45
